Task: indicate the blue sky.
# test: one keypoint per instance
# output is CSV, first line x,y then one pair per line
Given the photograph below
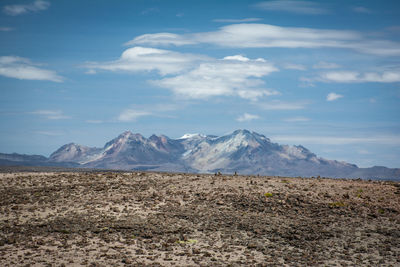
x,y
324,74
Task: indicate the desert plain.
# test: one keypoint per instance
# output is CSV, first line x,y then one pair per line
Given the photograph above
x,y
174,219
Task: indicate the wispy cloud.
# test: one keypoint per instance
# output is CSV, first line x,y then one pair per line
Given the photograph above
x,y
164,38
237,20
51,114
231,76
14,10
264,35
24,69
333,97
161,110
292,66
389,76
361,9
279,105
254,95
49,133
291,6
6,29
132,115
90,72
335,140
139,59
247,117
297,119
150,10
326,65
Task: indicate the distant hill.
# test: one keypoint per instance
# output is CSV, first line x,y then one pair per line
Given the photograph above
x,y
242,151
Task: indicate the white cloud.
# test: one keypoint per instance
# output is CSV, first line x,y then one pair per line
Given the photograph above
x,y
237,57
264,35
247,117
361,9
6,29
24,69
292,66
279,105
150,10
333,97
254,95
132,115
137,59
387,76
334,140
326,65
233,75
51,114
237,20
291,6
163,38
91,72
297,119
36,6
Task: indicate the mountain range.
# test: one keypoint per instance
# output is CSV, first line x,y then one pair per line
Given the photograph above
x,y
241,151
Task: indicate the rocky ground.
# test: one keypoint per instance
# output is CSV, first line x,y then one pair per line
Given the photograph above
x,y
139,219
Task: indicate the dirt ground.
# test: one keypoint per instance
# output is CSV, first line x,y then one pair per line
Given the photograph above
x,y
158,219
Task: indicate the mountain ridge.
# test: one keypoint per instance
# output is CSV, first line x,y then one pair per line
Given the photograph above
x,y
240,151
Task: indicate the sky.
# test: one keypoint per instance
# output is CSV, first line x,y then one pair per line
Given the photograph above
x,y
323,74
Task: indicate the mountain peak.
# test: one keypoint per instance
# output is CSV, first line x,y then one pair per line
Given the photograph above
x,y
249,135
242,151
72,152
126,134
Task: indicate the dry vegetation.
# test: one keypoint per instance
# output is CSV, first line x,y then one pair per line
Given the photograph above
x,y
113,219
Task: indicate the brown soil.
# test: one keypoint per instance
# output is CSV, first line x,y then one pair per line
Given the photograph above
x,y
139,219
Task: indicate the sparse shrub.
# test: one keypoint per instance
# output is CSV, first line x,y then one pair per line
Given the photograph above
x,y
189,241
337,204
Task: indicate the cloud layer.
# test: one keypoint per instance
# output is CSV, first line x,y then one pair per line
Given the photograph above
x,y
51,114
24,69
357,77
265,35
237,20
196,76
137,59
291,6
132,115
36,6
231,76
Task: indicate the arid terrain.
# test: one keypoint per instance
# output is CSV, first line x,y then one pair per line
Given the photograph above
x,y
139,219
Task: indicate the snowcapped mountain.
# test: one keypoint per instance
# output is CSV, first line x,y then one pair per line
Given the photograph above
x,y
74,153
133,151
251,153
241,151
